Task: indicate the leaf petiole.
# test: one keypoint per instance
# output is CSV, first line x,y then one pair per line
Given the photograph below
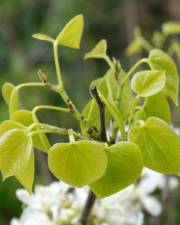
x,y
131,71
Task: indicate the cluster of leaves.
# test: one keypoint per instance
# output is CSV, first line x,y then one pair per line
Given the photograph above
x,y
166,38
137,121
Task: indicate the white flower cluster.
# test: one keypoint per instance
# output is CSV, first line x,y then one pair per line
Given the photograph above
x,y
59,204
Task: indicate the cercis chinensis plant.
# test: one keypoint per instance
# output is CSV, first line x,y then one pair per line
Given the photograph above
x,y
131,106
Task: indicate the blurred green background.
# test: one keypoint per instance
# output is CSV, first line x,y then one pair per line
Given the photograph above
x,y
21,56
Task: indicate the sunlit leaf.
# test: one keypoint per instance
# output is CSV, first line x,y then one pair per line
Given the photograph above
x,y
99,51
7,89
13,101
25,118
171,27
43,37
15,151
125,96
26,176
78,163
9,125
157,106
148,82
159,144
161,61
124,168
71,34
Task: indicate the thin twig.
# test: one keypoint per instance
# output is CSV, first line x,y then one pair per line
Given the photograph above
x,y
91,197
101,107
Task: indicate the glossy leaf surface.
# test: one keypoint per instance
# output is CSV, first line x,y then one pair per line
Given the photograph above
x,y
13,101
25,118
161,61
26,176
7,89
99,51
42,37
157,106
15,151
71,34
124,168
78,163
148,82
159,144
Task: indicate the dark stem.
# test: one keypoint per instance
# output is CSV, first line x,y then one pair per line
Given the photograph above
x,y
91,197
101,107
87,208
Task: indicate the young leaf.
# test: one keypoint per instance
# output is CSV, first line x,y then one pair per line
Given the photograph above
x,y
25,118
7,89
43,37
99,51
71,34
148,82
157,106
124,168
161,61
115,114
108,86
78,163
9,125
171,28
134,47
15,151
159,144
26,176
158,38
125,96
13,101
91,113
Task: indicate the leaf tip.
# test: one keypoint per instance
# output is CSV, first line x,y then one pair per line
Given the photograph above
x,y
43,37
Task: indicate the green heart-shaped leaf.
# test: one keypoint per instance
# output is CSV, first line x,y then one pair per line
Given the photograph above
x,y
171,27
7,89
78,163
157,106
99,51
71,34
25,118
148,82
124,168
26,176
43,37
15,151
161,61
159,144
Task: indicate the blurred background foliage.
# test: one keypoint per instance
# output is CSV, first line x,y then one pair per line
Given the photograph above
x,y
21,56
